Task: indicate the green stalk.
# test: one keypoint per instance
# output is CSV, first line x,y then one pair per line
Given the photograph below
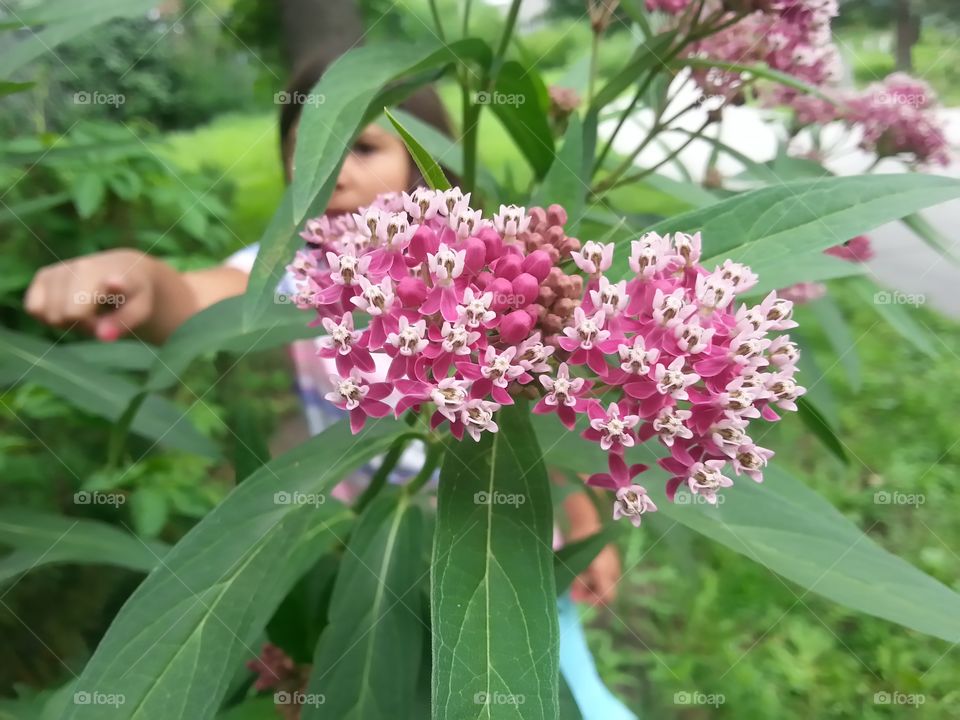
x,y
471,111
436,21
671,55
592,77
466,17
379,479
390,460
649,171
430,463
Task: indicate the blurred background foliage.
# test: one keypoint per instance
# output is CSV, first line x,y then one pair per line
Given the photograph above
x,y
187,168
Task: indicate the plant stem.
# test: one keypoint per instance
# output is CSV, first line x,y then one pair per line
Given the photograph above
x,y
434,453
644,173
436,21
670,56
379,479
507,33
627,163
466,17
471,111
592,76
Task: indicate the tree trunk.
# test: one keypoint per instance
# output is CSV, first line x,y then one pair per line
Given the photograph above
x,y
908,32
309,26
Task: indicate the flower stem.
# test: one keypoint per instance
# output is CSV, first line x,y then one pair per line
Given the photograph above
x,y
471,110
436,21
434,453
379,479
603,187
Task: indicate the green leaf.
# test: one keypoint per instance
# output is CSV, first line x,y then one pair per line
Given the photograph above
x,y
519,102
88,193
259,708
11,88
813,378
99,393
837,330
349,88
64,21
930,235
776,226
818,425
573,558
148,509
568,703
428,166
368,657
787,527
493,598
894,307
178,641
806,267
39,539
116,355
219,328
566,182
447,152
21,210
300,618
646,57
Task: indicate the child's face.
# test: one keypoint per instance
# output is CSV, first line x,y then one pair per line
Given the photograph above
x,y
378,163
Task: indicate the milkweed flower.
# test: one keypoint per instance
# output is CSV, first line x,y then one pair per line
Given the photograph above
x,y
471,312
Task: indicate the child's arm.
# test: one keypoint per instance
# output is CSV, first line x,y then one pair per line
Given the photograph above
x,y
598,583
151,298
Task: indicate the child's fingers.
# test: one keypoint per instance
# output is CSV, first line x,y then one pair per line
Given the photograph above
x,y
133,306
33,300
580,591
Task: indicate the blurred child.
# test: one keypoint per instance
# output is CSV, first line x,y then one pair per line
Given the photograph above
x,y
158,298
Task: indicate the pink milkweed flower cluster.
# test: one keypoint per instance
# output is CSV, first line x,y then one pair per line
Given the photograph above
x,y
791,36
458,303
897,117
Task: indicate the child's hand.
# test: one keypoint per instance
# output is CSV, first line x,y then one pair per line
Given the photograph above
x,y
78,291
598,583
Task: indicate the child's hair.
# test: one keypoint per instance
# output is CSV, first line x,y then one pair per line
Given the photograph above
x,y
424,104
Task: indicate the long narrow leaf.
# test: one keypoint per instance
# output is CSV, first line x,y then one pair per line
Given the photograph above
x,y
493,598
177,643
